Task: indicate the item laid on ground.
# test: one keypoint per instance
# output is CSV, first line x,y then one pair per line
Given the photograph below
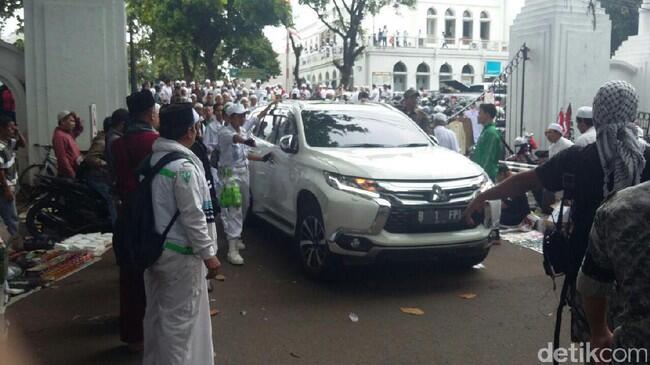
x,y
96,243
412,311
41,242
468,296
214,312
354,317
532,239
220,277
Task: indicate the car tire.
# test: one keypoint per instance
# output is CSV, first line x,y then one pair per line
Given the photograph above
x,y
316,259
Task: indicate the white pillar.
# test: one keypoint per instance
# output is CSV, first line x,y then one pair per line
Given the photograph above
x,y
569,61
75,56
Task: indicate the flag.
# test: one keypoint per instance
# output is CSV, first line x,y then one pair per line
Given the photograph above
x,y
567,122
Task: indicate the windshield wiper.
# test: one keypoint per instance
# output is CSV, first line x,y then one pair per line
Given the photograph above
x,y
366,145
414,145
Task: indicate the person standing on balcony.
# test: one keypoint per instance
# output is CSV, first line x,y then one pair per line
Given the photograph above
x,y
405,35
444,39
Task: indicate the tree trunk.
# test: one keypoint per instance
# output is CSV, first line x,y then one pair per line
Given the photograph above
x,y
296,68
132,60
188,75
210,68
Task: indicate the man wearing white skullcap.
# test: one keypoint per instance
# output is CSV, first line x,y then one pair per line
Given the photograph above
x,y
445,136
554,134
584,119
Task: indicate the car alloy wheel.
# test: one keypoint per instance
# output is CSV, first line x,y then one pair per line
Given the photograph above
x,y
313,246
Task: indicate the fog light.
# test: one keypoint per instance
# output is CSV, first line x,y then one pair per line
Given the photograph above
x,y
355,243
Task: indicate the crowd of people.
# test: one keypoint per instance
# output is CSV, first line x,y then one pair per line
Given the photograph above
x,y
208,126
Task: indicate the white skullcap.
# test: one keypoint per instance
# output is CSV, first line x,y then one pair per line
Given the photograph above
x,y
584,113
555,127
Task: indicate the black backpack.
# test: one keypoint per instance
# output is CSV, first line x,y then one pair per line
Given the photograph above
x,y
139,239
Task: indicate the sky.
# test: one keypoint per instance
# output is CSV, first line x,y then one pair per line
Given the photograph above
x,y
302,14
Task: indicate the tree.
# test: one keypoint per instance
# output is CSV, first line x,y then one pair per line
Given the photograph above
x,y
625,19
254,52
297,52
8,9
345,18
205,24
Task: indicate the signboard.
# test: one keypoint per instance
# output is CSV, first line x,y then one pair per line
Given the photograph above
x,y
382,78
492,68
234,72
252,73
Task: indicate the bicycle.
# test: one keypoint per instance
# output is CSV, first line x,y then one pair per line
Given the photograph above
x,y
27,178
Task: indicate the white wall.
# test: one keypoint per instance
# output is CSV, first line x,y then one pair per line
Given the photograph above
x,y
75,56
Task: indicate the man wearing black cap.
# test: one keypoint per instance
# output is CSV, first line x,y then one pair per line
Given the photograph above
x,y
176,281
129,151
410,107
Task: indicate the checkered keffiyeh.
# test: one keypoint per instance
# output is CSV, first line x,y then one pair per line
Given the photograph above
x,y
621,154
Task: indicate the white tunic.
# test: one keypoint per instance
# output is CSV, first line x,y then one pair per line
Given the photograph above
x,y
559,146
587,137
446,138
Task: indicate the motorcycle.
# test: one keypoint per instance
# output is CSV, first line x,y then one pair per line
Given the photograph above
x,y
67,207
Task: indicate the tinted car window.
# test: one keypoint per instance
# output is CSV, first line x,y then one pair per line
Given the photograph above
x,y
361,128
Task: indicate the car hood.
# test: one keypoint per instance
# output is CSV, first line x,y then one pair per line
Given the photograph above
x,y
415,163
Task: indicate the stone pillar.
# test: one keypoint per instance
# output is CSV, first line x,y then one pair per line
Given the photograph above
x,y
75,56
631,62
569,61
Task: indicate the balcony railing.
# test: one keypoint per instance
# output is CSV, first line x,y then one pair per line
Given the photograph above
x,y
325,54
393,42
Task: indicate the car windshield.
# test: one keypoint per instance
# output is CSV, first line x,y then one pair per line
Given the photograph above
x,y
365,128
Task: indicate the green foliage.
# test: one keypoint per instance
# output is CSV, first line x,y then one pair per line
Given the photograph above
x,y
8,9
625,19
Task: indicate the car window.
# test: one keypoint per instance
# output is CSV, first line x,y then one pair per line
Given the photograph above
x,y
363,128
287,127
264,128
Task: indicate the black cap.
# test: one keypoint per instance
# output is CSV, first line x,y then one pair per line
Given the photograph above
x,y
140,101
175,119
411,92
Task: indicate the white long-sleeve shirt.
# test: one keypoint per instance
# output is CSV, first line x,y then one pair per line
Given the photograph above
x,y
559,146
446,138
587,138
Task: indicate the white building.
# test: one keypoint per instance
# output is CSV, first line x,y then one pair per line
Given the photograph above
x,y
415,54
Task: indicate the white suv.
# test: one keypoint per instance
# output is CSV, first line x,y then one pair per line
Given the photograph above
x,y
364,182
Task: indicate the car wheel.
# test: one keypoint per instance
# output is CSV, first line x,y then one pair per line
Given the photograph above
x,y
315,257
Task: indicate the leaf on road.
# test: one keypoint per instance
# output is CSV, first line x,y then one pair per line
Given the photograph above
x,y
220,277
412,311
293,354
214,312
468,296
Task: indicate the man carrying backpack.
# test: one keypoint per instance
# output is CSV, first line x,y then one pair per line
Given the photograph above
x,y
177,327
128,152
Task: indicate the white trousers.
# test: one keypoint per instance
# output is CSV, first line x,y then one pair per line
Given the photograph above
x,y
177,325
233,218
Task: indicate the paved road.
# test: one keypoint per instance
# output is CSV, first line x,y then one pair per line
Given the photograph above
x,y
292,320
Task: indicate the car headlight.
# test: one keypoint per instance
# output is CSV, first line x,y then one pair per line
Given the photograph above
x,y
365,188
486,184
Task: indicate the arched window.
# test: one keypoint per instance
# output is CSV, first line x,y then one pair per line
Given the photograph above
x,y
335,81
320,78
399,77
468,26
485,26
450,26
422,77
313,79
467,74
431,23
445,72
327,77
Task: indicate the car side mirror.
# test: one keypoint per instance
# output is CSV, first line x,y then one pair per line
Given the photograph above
x,y
288,144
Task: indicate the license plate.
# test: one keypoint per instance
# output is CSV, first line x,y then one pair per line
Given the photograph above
x,y
440,216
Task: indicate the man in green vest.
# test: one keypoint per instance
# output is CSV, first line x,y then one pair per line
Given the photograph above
x,y
488,146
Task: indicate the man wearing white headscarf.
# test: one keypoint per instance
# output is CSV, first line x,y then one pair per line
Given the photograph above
x,y
587,175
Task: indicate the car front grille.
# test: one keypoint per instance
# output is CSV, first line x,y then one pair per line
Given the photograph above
x,y
413,204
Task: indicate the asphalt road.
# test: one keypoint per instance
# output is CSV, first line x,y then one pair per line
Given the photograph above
x,y
271,314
